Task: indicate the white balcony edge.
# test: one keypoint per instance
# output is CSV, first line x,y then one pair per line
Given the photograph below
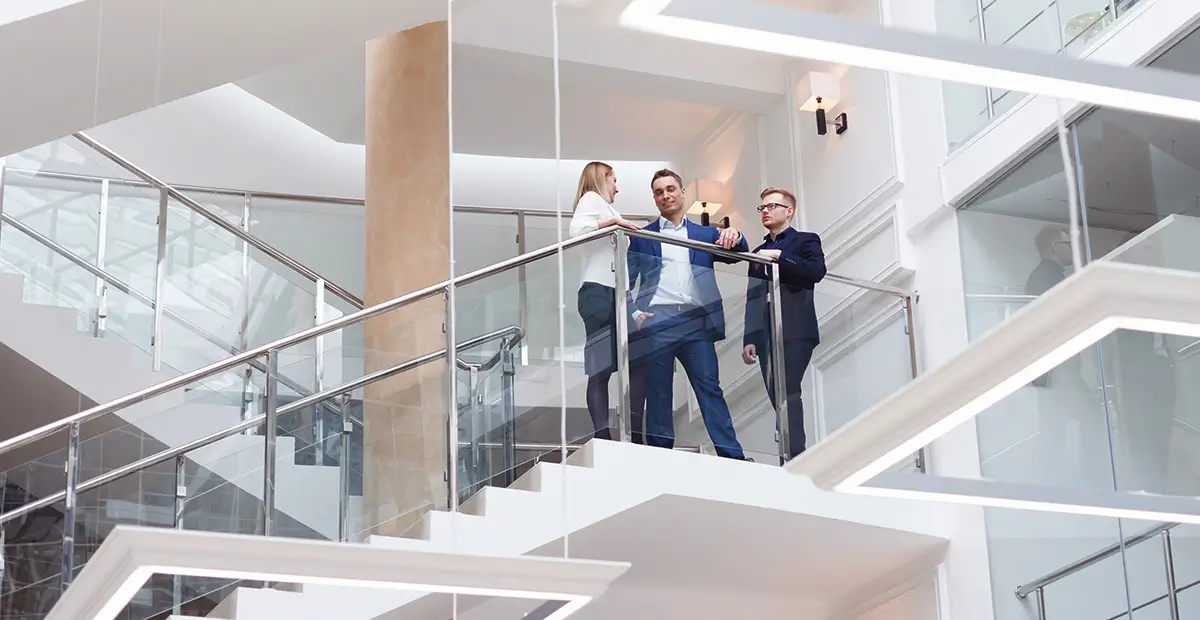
x,y
130,555
1088,306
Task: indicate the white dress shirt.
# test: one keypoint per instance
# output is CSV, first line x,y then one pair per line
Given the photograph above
x,y
676,284
598,261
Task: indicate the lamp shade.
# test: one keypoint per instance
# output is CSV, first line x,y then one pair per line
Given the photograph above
x,y
706,195
814,85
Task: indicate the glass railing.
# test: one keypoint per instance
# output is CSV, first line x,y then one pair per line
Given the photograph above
x,y
1117,416
352,441
1050,26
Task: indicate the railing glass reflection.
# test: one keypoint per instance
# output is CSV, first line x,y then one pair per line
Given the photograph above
x,y
509,416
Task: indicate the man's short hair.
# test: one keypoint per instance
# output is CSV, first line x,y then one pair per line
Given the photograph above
x,y
1047,236
788,198
666,172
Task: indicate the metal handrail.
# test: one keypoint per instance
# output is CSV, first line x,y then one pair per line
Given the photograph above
x,y
125,288
382,308
1025,590
313,198
308,401
1156,599
221,222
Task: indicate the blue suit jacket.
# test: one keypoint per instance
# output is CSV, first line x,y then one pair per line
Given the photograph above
x,y
801,266
645,264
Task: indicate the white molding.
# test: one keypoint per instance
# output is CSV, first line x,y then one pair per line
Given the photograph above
x,y
800,219
872,326
921,571
129,555
844,226
760,136
1089,305
864,233
710,135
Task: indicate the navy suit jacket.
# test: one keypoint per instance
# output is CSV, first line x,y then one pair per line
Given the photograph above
x,y
645,263
801,265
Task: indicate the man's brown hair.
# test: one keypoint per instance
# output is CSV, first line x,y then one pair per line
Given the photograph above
x,y
788,197
666,172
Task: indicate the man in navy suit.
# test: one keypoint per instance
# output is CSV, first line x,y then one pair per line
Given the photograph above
x,y
801,264
678,315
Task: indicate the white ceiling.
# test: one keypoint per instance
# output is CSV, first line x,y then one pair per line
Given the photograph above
x,y
624,95
504,104
92,61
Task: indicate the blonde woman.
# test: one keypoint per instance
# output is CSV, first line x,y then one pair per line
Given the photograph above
x,y
598,294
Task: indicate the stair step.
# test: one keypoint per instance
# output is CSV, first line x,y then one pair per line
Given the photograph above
x,y
12,287
494,501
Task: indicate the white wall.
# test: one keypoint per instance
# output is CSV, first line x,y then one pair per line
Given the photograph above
x,y
864,191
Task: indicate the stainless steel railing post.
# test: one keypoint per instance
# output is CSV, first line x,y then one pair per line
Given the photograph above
x,y
344,472
523,288
101,319
508,410
180,504
621,315
778,372
910,330
160,279
319,373
272,419
249,396
1172,588
70,502
474,426
451,402
1041,604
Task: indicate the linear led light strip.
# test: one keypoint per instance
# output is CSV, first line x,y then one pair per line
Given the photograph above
x,y
825,37
130,555
1088,306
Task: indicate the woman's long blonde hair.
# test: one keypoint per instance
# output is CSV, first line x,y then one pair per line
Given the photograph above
x,y
594,178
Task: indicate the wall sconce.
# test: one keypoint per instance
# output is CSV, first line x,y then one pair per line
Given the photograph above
x,y
820,92
707,198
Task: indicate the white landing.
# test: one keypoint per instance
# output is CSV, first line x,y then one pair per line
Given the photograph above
x,y
731,539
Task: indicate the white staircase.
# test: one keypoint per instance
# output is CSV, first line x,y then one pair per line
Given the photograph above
x,y
607,495
103,369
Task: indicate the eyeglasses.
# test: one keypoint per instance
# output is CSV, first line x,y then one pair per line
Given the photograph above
x,y
771,206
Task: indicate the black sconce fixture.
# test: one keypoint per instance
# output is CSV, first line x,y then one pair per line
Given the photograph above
x,y
709,197
840,122
819,92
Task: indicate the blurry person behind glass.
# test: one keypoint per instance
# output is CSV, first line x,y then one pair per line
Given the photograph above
x,y
1146,380
1054,248
1068,410
597,295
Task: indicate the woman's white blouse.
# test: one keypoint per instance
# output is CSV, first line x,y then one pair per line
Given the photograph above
x,y
598,265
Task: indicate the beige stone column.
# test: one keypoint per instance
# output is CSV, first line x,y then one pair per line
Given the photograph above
x,y
407,248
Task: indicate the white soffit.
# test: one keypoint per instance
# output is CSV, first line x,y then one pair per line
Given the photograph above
x,y
129,555
829,38
1088,306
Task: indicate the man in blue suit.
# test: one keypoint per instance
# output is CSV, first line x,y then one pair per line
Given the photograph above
x,y
801,264
678,315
